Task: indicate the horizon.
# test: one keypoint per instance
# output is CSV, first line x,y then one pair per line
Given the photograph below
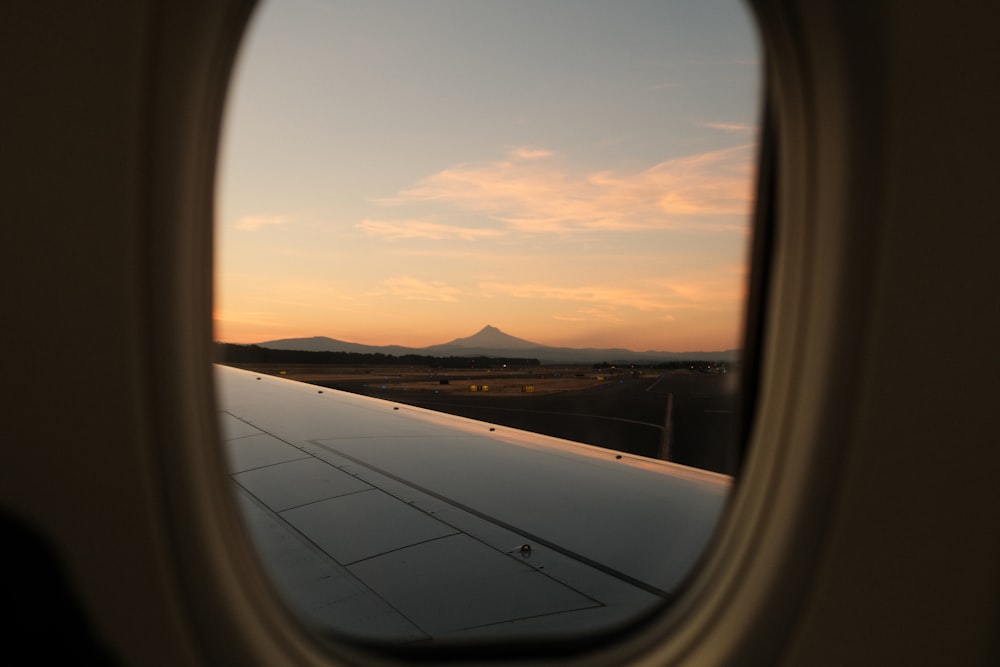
x,y
481,330
582,172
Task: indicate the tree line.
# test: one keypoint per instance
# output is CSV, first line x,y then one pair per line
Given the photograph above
x,y
251,354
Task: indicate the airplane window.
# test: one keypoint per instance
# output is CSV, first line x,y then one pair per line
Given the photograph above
x,y
481,278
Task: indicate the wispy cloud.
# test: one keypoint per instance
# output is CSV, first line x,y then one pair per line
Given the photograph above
x,y
249,318
252,223
730,127
531,153
410,288
608,296
600,299
422,229
708,191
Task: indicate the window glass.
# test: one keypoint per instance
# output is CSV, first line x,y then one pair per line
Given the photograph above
x,y
534,215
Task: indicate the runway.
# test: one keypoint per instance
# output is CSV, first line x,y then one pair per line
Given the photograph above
x,y
627,414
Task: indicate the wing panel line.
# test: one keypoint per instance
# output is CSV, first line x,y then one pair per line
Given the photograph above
x,y
638,583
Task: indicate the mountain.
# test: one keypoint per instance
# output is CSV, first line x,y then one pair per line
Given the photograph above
x,y
489,337
492,342
326,344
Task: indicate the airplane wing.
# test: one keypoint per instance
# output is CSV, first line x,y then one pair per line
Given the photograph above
x,y
390,522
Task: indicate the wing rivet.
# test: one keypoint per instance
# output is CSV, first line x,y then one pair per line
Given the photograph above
x,y
525,549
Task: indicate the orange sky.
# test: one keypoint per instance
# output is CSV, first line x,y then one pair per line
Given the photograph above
x,y
396,184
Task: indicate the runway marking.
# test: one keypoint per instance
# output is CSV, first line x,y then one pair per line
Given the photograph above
x,y
668,431
658,380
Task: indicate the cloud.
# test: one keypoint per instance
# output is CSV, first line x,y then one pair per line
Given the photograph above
x,y
710,190
601,301
531,153
730,127
421,229
606,296
410,288
250,318
251,223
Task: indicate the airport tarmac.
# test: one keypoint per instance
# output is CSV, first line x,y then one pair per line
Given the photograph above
x,y
618,410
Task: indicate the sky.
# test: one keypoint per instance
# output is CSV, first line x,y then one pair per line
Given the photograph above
x,y
576,173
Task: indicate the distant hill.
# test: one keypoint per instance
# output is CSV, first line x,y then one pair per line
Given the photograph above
x,y
492,342
326,344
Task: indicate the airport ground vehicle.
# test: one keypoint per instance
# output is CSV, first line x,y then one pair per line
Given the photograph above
x,y
863,530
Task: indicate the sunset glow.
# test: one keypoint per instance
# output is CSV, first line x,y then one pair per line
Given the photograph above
x,y
574,173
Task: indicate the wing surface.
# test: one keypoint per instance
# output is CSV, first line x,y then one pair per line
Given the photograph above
x,y
390,522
